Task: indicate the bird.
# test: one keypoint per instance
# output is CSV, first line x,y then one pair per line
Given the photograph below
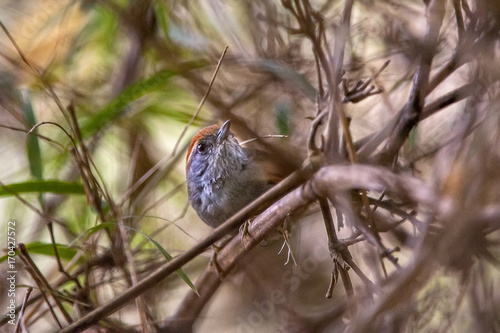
x,y
222,176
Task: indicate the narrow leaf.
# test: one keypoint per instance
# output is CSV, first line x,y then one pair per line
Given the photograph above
x,y
116,107
41,186
167,256
65,252
33,146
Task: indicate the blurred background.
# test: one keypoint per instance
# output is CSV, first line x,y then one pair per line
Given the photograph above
x,y
113,84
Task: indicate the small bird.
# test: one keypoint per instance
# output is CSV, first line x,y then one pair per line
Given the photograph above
x,y
222,176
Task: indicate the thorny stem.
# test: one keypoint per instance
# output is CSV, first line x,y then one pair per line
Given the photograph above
x,y
336,251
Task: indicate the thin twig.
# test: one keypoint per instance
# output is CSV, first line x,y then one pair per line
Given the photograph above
x,y
369,143
43,137
140,304
336,113
360,91
41,281
23,307
263,137
336,251
413,109
202,102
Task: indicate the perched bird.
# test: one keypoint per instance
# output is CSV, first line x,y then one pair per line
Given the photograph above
x,y
222,176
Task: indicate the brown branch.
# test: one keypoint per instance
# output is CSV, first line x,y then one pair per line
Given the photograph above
x,y
328,181
337,251
368,144
21,312
412,111
40,279
336,113
139,301
361,89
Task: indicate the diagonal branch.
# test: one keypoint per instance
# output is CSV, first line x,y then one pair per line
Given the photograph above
x,y
336,112
328,181
412,111
162,272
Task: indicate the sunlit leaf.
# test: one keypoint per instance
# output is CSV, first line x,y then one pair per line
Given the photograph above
x,y
42,186
64,252
161,15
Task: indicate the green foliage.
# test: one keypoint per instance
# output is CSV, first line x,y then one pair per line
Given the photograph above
x,y
115,108
65,252
42,186
33,146
283,112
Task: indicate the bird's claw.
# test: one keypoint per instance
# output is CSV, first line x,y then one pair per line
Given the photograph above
x,y
213,261
244,230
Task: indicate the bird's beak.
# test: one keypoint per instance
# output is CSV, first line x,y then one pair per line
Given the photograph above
x,y
223,132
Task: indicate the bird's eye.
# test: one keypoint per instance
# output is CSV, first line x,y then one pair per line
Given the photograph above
x,y
202,147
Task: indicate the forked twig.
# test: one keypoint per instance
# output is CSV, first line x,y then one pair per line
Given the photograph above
x,y
361,89
41,281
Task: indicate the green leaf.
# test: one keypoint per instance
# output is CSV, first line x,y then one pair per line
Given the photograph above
x,y
413,138
65,252
162,17
116,107
93,230
41,186
282,112
167,256
33,146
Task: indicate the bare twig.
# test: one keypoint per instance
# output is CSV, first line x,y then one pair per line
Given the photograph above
x,y
361,89
337,252
336,113
368,144
413,108
20,319
43,283
43,137
140,304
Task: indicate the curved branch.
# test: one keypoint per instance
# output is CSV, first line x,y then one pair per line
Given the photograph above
x,y
328,181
